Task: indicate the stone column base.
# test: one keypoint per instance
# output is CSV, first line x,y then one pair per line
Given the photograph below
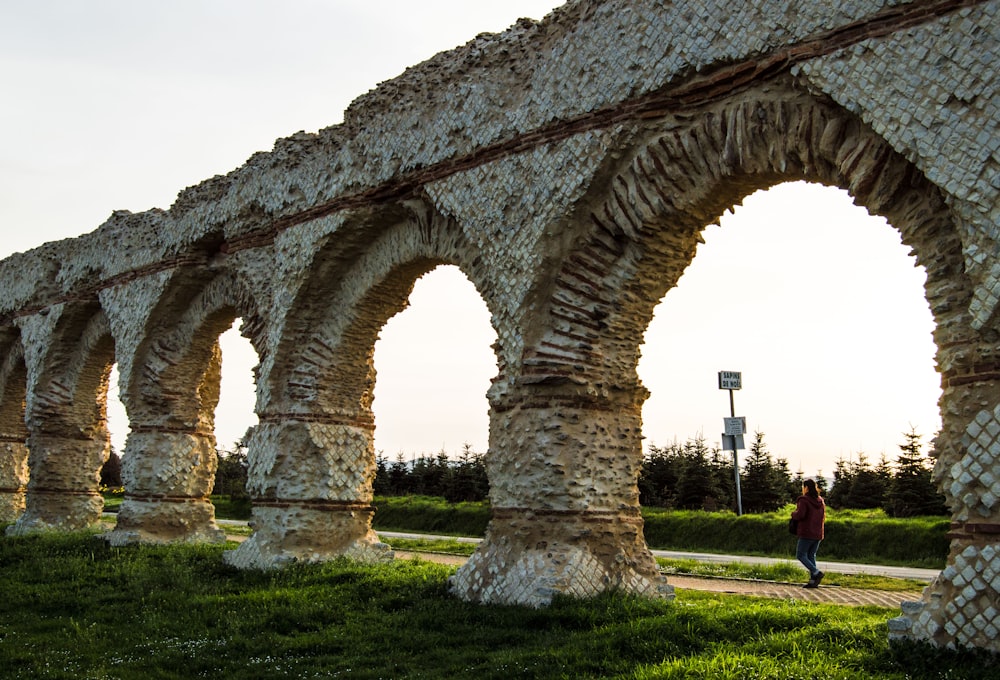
x,y
289,531
58,510
961,607
11,505
161,520
530,556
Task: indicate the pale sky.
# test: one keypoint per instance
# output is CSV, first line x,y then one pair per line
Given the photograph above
x,y
120,104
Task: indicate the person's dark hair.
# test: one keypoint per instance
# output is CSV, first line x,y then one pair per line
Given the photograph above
x,y
811,489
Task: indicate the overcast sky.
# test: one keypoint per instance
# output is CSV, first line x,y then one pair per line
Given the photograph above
x,y
120,104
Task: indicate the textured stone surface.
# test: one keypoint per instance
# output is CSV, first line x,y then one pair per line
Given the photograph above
x,y
567,167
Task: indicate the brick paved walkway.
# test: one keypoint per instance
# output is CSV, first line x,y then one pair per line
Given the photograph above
x,y
829,594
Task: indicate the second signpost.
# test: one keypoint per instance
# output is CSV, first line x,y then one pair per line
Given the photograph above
x,y
734,428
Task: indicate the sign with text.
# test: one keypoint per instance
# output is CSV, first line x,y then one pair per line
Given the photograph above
x,y
730,380
734,426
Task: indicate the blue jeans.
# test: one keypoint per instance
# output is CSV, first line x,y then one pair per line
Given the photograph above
x,y
805,552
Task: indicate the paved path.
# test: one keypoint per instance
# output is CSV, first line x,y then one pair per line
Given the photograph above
x,y
786,591
926,575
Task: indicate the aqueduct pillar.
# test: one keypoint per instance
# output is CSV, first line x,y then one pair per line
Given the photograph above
x,y
68,364
311,484
168,325
563,466
167,476
13,436
13,474
962,606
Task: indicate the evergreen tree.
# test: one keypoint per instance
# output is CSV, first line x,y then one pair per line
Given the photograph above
x,y
462,480
467,479
659,474
381,486
399,477
427,475
843,480
868,486
722,466
883,471
697,484
231,472
912,491
795,485
763,488
820,483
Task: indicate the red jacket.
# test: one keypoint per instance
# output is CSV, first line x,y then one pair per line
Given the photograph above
x,y
811,513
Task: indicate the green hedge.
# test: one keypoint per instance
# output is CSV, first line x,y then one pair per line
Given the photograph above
x,y
917,542
850,536
430,515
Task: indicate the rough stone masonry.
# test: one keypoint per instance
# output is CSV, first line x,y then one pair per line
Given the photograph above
x,y
567,167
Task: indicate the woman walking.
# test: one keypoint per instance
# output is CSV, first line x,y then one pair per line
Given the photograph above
x,y
810,511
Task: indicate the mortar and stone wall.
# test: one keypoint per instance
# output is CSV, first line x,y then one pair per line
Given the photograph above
x,y
567,167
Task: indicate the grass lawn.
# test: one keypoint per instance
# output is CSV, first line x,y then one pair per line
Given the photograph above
x,y
73,607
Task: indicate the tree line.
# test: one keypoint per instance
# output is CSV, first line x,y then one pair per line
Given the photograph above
x,y
454,480
688,476
694,476
903,488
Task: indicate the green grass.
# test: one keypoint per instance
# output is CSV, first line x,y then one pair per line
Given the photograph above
x,y
73,607
431,545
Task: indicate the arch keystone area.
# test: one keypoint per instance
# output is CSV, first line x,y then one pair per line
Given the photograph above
x,y
567,167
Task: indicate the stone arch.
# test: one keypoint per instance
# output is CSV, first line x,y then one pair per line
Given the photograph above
x,y
578,389
349,304
178,382
312,458
13,432
680,179
168,468
66,402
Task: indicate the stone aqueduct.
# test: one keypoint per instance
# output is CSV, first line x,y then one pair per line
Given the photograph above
x,y
567,167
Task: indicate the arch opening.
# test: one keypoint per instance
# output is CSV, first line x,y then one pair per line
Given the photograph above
x,y
313,459
434,365
821,307
235,413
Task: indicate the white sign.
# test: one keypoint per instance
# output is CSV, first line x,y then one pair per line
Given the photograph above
x,y
735,426
731,442
730,380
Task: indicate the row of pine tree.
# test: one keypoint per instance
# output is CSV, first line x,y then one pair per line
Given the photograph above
x,y
694,476
689,475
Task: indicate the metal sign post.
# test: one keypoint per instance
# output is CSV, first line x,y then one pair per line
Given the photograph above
x,y
735,428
